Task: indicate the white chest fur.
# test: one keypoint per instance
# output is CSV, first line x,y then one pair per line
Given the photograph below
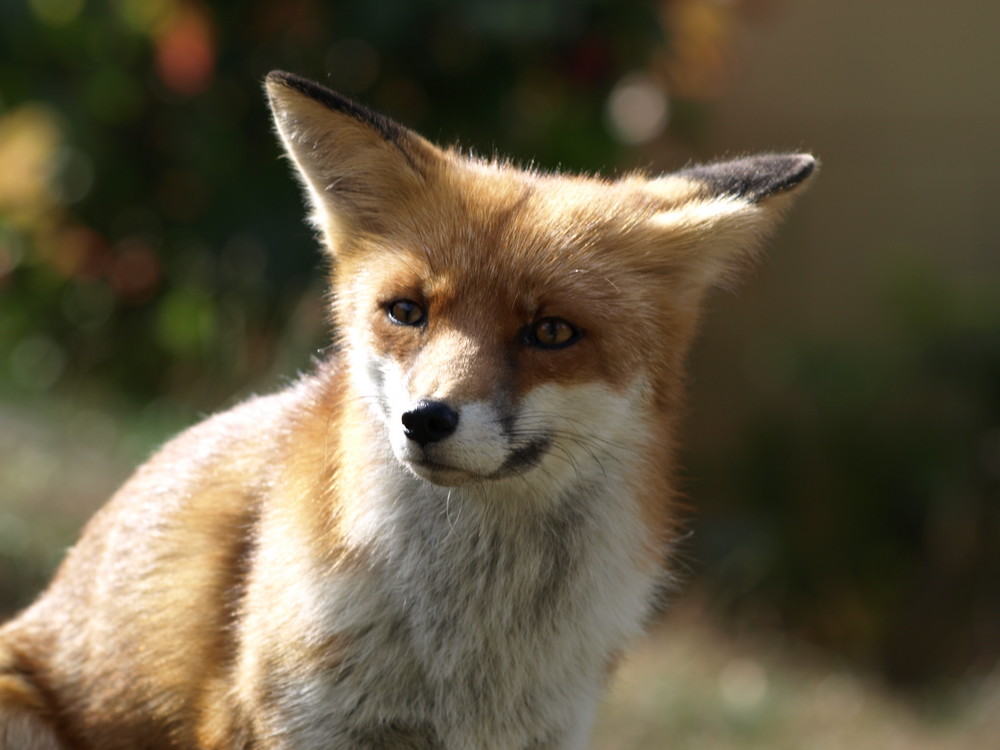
x,y
482,619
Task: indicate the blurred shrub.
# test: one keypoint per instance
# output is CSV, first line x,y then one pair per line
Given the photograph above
x,y
862,508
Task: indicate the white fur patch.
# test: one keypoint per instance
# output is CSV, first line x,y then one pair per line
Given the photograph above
x,y
488,611
582,424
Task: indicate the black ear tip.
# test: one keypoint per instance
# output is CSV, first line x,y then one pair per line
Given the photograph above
x,y
785,171
278,76
335,102
289,80
754,178
801,166
311,89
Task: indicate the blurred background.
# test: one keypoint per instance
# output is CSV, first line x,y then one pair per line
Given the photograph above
x,y
842,578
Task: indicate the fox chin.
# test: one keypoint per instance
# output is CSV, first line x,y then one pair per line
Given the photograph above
x,y
446,535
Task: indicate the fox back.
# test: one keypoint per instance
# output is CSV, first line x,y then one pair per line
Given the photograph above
x,y
445,536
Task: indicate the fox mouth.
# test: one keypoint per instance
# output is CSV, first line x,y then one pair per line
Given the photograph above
x,y
520,459
523,458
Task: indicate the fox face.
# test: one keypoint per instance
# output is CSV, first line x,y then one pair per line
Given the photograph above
x,y
482,373
507,324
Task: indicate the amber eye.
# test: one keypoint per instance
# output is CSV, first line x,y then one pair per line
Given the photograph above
x,y
551,333
406,312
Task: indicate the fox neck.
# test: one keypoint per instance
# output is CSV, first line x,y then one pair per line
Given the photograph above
x,y
505,559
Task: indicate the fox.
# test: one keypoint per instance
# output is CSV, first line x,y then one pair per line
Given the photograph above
x,y
446,534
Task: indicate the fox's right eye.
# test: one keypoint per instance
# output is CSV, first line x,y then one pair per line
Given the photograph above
x,y
406,312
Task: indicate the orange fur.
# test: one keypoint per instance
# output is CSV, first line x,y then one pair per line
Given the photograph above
x,y
309,570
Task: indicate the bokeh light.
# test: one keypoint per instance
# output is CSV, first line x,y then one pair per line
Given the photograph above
x,y
186,50
637,109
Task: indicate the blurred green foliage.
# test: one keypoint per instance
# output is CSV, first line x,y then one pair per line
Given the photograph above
x,y
151,238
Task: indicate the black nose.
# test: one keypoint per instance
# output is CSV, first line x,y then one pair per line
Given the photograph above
x,y
429,421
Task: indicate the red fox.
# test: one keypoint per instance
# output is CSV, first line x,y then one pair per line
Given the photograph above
x,y
446,535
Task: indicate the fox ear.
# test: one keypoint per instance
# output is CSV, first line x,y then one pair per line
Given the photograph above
x,y
354,163
716,216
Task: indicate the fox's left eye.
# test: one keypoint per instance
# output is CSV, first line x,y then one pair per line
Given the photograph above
x,y
551,333
406,312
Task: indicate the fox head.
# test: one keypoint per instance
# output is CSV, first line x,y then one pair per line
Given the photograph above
x,y
505,323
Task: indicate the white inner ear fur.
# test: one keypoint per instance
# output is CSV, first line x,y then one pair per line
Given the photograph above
x,y
701,215
712,239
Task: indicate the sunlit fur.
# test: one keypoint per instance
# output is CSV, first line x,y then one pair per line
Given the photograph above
x,y
299,573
